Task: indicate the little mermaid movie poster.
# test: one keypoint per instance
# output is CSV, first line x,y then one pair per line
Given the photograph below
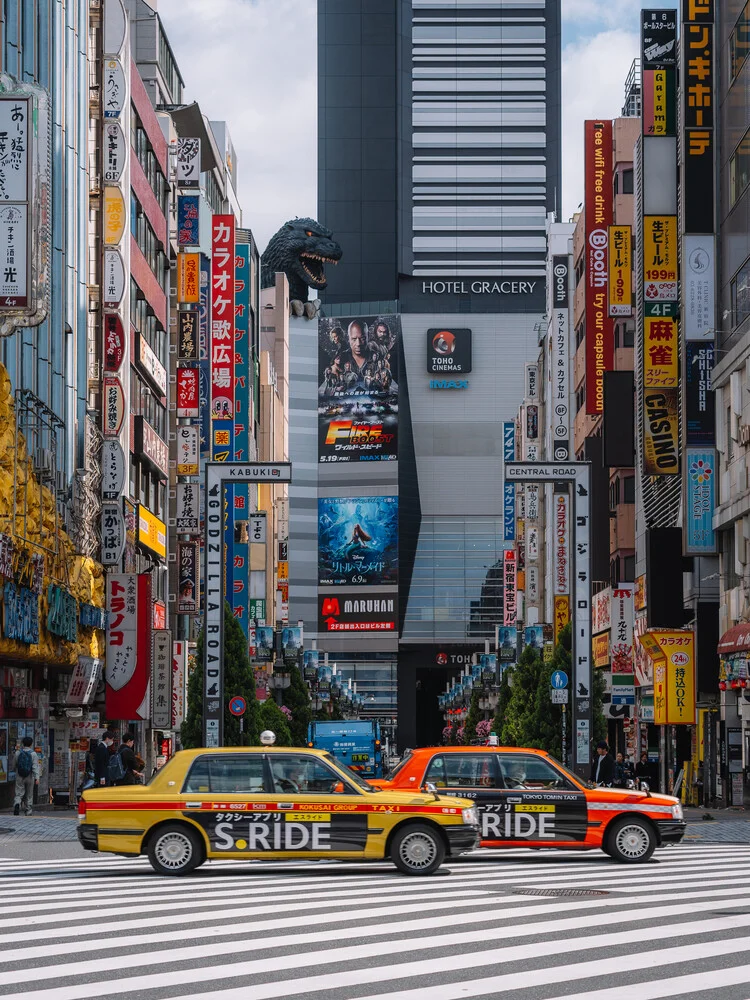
x,y
357,540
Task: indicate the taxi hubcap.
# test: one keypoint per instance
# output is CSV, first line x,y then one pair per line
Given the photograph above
x,y
418,850
632,841
174,850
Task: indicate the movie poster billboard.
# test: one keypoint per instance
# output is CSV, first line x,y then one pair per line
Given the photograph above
x,y
357,540
358,388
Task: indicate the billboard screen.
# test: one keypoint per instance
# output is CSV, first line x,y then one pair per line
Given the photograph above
x,y
358,388
357,540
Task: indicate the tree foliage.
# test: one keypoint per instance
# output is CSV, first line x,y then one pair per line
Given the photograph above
x,y
271,717
238,680
473,717
297,699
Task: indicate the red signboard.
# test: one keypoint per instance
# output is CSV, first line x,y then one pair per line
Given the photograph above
x,y
160,615
598,217
222,317
114,342
128,646
188,392
510,613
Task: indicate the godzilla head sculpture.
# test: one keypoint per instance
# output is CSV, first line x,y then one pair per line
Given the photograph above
x,y
301,249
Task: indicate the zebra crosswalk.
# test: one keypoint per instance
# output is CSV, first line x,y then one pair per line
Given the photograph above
x,y
510,925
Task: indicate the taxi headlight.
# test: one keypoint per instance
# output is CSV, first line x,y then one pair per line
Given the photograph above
x,y
677,811
470,816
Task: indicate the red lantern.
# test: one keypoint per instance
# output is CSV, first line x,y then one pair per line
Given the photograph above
x,y
722,685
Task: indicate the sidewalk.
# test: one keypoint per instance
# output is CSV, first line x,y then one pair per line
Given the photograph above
x,y
728,826
41,827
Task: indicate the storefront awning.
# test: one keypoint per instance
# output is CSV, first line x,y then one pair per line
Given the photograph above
x,y
735,640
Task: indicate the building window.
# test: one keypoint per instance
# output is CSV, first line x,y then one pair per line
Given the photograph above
x,y
146,156
627,181
150,246
739,42
628,490
581,398
740,290
628,569
739,169
580,335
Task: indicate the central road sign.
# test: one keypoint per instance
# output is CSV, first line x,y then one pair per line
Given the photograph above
x,y
218,475
559,679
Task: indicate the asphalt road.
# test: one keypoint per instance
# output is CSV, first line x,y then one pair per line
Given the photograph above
x,y
75,926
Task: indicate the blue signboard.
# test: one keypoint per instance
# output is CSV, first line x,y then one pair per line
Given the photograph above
x,y
357,540
188,220
509,490
700,537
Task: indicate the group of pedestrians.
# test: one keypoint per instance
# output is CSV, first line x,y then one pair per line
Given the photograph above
x,y
619,770
106,764
110,766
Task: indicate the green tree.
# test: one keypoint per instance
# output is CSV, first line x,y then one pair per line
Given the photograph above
x,y
271,717
503,700
599,721
297,699
238,680
518,725
473,716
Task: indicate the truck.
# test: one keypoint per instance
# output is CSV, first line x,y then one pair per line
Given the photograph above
x,y
356,743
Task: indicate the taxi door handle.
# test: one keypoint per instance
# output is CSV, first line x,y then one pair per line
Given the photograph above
x,y
286,805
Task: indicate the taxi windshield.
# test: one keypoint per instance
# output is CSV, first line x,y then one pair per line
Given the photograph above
x,y
351,775
400,766
566,771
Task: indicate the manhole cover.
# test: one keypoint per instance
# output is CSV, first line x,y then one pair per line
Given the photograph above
x,y
560,892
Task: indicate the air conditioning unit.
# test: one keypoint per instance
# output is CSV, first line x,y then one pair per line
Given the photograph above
x,y
95,100
44,461
61,482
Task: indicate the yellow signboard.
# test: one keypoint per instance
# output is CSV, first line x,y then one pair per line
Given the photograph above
x,y
152,533
114,215
188,277
562,614
601,649
283,571
620,267
661,352
674,675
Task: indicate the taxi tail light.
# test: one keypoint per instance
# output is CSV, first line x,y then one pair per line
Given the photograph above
x,y
377,743
82,810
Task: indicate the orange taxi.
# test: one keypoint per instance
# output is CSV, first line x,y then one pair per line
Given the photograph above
x,y
526,798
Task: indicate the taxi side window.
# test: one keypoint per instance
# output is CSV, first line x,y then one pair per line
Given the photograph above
x,y
530,771
302,773
223,773
457,770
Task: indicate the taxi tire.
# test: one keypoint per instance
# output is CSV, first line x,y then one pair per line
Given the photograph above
x,y
178,834
619,852
424,843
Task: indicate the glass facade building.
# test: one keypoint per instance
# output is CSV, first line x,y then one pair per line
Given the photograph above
x,y
46,43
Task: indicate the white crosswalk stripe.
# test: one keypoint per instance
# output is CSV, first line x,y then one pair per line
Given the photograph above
x,y
677,927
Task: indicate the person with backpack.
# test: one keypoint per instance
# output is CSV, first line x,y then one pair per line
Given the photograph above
x,y
101,758
128,761
27,776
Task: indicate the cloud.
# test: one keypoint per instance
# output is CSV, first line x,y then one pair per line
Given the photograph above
x,y
254,65
593,86
593,16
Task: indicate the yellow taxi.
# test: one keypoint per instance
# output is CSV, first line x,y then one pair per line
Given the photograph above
x,y
272,803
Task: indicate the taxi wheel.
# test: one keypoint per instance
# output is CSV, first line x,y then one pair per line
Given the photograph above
x,y
630,841
417,849
175,849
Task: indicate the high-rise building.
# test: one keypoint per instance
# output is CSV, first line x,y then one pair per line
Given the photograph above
x,y
438,163
439,139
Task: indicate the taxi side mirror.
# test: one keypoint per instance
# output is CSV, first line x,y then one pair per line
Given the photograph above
x,y
338,788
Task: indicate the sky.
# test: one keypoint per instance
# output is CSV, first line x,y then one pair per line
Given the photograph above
x,y
252,63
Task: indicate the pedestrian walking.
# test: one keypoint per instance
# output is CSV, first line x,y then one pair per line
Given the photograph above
x,y
644,771
101,757
27,770
131,764
623,771
603,769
